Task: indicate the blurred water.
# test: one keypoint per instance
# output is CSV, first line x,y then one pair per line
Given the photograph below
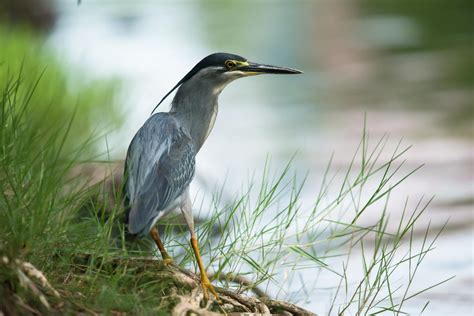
x,y
151,45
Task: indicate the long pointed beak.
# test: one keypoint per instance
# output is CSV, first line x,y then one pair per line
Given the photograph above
x,y
256,69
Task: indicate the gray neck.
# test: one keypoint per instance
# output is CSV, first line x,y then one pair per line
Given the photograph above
x,y
195,106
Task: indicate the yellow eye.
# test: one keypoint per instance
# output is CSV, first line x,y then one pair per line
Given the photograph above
x,y
230,64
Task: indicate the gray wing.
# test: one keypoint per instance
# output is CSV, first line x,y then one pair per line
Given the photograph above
x,y
158,169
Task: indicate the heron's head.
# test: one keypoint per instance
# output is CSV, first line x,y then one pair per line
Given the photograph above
x,y
217,70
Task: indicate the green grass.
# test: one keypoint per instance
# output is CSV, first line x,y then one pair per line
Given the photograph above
x,y
62,92
73,232
269,234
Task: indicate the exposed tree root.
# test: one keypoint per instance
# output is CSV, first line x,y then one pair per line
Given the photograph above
x,y
183,291
191,301
32,284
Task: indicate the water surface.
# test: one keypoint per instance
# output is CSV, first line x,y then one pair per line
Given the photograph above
x,y
358,62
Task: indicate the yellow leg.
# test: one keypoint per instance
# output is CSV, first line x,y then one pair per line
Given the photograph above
x,y
205,283
156,237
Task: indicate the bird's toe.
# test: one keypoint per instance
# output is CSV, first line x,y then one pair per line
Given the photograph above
x,y
206,288
168,262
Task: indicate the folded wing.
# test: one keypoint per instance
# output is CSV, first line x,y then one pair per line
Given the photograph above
x,y
158,169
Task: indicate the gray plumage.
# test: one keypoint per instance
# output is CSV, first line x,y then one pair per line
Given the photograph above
x,y
161,158
159,167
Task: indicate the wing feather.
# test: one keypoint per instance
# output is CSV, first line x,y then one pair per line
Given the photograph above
x,y
159,167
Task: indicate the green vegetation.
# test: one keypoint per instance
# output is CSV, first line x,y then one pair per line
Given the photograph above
x,y
42,222
446,35
443,24
47,119
73,232
59,94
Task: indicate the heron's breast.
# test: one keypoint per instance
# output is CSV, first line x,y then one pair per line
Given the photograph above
x,y
212,121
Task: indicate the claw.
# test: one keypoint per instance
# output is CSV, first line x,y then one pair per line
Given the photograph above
x,y
206,287
168,261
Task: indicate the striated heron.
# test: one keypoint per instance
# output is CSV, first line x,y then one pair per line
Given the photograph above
x,y
160,160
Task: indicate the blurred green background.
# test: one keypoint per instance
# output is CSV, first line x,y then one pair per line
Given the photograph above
x,y
405,65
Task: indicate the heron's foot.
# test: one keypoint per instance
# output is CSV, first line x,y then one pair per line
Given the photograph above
x,y
168,261
206,288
